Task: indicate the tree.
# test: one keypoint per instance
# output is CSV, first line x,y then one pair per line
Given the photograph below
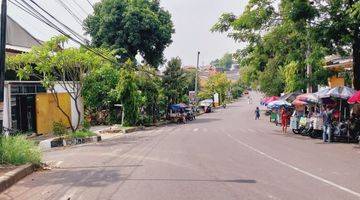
x,y
337,28
128,94
217,83
277,38
150,86
174,81
98,86
52,64
190,75
225,62
130,27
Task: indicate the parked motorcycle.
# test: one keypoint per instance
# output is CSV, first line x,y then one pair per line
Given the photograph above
x,y
341,131
190,116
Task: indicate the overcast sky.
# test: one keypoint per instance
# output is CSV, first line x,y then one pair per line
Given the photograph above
x,y
192,18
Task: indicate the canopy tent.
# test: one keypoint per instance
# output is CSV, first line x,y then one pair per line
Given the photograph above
x,y
278,104
271,99
298,102
342,92
290,97
176,107
309,98
206,102
337,92
355,99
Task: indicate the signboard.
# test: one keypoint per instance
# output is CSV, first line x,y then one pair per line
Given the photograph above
x,y
192,96
216,99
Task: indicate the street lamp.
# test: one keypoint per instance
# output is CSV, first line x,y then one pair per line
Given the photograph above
x,y
196,76
2,47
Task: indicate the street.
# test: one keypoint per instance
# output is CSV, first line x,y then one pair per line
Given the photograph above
x,y
222,155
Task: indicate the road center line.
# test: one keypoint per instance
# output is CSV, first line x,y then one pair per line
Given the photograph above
x,y
296,168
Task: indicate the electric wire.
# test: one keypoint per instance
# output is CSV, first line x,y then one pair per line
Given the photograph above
x,y
36,14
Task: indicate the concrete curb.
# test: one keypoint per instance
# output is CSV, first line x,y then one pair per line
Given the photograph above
x,y
12,177
46,144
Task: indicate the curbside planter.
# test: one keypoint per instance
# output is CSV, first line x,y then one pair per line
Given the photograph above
x,y
11,177
62,142
131,130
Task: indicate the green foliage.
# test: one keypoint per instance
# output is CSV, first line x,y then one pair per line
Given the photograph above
x,y
86,125
59,129
278,39
98,86
190,75
217,83
51,63
130,27
127,93
82,134
225,62
174,82
150,86
291,79
237,89
17,150
271,82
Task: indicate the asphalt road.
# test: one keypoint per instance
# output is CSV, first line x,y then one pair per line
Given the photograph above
x,y
223,155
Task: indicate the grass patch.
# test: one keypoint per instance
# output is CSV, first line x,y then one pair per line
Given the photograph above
x,y
82,134
17,150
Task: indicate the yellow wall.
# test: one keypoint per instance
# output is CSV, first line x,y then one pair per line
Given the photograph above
x,y
47,111
336,82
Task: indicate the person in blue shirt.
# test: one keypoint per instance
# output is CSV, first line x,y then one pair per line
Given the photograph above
x,y
257,113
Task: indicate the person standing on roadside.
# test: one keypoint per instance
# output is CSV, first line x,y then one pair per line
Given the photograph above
x,y
257,113
327,117
284,120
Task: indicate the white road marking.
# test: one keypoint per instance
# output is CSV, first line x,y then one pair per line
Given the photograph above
x,y
196,130
251,130
296,168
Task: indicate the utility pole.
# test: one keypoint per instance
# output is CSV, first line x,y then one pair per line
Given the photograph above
x,y
196,77
2,47
308,65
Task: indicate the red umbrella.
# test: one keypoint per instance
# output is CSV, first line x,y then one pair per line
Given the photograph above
x,y
355,98
271,99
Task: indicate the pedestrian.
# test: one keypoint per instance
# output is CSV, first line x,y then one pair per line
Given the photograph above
x,y
327,118
257,113
284,120
248,98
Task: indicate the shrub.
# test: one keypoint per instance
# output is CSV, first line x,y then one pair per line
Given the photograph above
x,y
82,134
17,150
59,129
86,125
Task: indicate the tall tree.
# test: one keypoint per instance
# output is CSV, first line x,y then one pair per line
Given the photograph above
x,y
225,62
174,81
338,29
127,94
130,27
277,38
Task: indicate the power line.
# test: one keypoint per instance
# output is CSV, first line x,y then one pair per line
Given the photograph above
x,y
81,8
58,21
90,4
35,13
77,19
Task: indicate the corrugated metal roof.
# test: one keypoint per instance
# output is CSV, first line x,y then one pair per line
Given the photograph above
x,y
19,38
